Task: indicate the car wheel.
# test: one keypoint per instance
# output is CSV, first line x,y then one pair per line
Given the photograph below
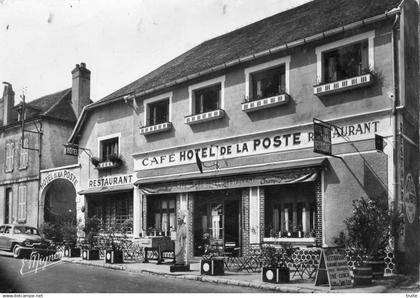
x,y
17,251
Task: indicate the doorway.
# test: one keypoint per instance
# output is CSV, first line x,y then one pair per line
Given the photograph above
x,y
217,219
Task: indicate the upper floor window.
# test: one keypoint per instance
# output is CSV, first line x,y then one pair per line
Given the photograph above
x,y
10,150
158,109
267,79
158,112
207,96
346,58
109,147
207,99
23,158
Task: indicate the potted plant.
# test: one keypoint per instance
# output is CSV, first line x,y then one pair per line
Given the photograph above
x,y
69,233
90,249
115,159
368,231
274,269
115,244
95,161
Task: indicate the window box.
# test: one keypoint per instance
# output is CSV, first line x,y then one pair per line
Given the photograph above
x,y
339,86
204,117
265,103
113,161
151,129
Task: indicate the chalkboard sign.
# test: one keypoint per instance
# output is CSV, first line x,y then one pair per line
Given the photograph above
x,y
333,269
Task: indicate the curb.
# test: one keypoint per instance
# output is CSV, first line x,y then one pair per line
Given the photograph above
x,y
223,281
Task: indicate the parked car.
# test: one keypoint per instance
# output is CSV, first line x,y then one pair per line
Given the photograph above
x,y
21,239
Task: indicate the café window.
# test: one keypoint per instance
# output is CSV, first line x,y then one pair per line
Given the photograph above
x,y
346,58
267,79
161,215
207,96
290,211
108,147
112,210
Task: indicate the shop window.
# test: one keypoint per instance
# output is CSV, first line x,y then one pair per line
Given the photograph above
x,y
161,215
109,148
158,112
206,99
22,193
23,157
345,59
10,150
290,211
113,210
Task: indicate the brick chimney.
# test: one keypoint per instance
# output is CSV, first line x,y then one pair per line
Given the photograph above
x,y
80,89
7,102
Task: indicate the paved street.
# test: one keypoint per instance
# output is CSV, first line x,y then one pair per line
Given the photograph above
x,y
75,278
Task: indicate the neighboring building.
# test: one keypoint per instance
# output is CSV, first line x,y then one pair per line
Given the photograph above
x,y
48,123
242,106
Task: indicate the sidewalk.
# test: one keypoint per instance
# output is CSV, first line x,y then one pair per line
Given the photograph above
x,y
243,279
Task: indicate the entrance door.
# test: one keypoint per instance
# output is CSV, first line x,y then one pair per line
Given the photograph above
x,y
7,205
216,220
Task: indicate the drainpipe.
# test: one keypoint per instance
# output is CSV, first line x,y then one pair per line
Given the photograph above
x,y
394,119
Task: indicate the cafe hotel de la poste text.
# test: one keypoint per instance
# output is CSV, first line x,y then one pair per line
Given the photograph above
x,y
225,133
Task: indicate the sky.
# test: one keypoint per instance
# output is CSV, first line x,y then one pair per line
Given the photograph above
x,y
41,41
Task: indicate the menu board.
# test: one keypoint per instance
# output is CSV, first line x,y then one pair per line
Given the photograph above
x,y
333,269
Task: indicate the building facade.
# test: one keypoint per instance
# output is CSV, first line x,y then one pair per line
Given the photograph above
x,y
225,131
37,144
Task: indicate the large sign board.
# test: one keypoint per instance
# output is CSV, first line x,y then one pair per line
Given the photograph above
x,y
262,143
111,181
333,269
322,138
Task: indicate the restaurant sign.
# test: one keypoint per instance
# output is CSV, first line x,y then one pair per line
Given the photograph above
x,y
269,142
111,181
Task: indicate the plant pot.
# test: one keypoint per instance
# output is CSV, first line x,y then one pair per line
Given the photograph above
x,y
276,274
378,267
114,256
362,275
71,252
213,266
90,254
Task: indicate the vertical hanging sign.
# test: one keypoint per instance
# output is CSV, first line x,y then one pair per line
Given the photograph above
x,y
322,137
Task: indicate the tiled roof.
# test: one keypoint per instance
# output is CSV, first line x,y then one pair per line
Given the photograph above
x,y
56,105
303,21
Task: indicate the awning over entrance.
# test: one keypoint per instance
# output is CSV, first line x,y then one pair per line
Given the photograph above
x,y
106,189
272,174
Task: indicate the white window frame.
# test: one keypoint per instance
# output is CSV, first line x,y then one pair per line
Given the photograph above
x,y
219,80
22,202
267,65
107,137
370,35
23,156
154,99
10,155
